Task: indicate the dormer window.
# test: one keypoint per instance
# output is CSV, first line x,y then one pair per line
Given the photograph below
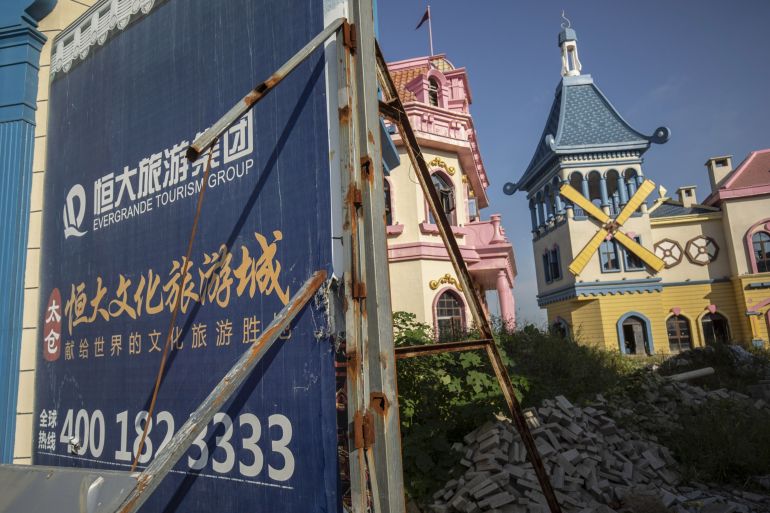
x,y
433,92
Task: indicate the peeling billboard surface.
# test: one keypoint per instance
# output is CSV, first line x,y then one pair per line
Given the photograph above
x,y
120,200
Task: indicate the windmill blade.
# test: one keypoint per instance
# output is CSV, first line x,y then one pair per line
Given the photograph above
x,y
644,254
581,260
637,199
578,199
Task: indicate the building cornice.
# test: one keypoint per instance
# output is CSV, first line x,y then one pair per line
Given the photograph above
x,y
93,28
689,218
598,289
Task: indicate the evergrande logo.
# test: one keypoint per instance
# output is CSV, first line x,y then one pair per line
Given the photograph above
x,y
74,211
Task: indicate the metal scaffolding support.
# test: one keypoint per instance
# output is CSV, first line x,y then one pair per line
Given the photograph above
x,y
392,108
375,445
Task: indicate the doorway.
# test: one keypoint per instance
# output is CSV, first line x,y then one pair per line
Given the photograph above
x,y
635,339
716,330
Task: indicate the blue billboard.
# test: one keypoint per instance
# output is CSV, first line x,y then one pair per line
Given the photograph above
x,y
133,83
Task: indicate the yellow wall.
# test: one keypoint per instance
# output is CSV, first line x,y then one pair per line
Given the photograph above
x,y
594,320
65,12
409,204
411,291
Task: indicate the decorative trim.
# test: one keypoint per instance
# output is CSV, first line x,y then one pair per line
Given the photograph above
x,y
394,230
669,251
761,226
437,162
687,218
597,289
695,282
93,28
447,279
606,155
701,250
432,229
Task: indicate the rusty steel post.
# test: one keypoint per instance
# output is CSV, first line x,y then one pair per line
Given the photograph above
x,y
375,449
394,109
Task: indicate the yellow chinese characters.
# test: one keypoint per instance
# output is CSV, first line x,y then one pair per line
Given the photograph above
x,y
135,296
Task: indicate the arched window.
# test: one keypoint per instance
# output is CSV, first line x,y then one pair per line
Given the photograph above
x,y
716,330
433,92
450,316
446,196
678,329
388,204
761,243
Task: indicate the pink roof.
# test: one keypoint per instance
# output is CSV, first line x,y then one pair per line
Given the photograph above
x,y
750,178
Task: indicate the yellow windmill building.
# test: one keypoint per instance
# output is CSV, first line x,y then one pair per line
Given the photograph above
x,y
623,268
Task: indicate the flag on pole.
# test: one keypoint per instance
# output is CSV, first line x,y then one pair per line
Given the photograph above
x,y
425,17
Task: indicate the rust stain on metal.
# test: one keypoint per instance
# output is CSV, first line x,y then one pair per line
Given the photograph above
x,y
349,36
354,364
368,429
367,168
344,114
359,290
370,136
354,197
379,403
358,430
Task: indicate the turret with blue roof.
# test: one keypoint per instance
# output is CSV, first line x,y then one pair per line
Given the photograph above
x,y
581,120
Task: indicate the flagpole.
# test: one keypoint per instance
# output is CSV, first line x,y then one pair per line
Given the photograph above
x,y
430,31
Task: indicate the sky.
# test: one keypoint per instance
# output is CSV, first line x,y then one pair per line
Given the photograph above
x,y
701,68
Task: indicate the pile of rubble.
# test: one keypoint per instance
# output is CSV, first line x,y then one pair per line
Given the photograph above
x,y
595,465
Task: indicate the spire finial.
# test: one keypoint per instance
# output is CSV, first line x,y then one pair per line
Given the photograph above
x,y
568,44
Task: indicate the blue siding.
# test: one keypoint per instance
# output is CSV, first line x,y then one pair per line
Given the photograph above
x,y
20,44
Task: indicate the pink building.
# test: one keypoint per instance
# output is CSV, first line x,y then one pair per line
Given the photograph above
x,y
436,96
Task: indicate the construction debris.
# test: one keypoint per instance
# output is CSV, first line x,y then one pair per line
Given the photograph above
x,y
595,465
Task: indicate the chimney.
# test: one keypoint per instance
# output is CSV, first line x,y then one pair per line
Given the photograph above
x,y
719,168
687,196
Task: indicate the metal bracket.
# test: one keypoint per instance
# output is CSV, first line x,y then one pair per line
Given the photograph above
x,y
349,37
208,137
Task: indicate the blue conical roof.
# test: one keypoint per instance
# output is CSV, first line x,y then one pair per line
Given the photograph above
x,y
581,120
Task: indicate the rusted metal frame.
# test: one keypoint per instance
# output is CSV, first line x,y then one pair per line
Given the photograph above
x,y
153,475
207,138
445,347
381,426
356,390
393,107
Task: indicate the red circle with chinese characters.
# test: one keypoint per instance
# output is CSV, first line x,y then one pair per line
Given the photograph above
x,y
52,327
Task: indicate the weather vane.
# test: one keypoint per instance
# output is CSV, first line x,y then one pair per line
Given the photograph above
x,y
566,23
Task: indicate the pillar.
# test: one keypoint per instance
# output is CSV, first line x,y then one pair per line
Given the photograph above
x,y
622,190
533,215
631,187
497,235
559,204
507,304
603,191
20,46
584,186
541,213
